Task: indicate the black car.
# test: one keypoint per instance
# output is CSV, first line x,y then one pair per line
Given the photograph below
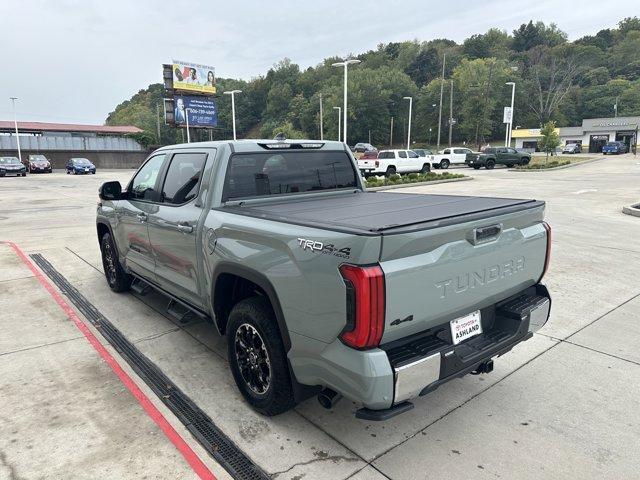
x,y
12,166
364,147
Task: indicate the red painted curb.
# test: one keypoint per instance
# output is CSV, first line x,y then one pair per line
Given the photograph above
x,y
189,455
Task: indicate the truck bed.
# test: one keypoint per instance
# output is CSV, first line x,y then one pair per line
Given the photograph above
x,y
378,213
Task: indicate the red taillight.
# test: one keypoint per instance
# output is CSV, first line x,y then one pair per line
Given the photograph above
x,y
547,258
365,306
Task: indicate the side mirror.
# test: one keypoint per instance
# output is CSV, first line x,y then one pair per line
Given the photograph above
x,y
110,191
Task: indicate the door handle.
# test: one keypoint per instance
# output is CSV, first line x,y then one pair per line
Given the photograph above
x,y
142,217
184,227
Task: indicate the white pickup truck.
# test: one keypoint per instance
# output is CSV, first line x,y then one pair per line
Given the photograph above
x,y
449,156
390,162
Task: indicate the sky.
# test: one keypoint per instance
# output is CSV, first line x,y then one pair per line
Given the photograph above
x,y
74,61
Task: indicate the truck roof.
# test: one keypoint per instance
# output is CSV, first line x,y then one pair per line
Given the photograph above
x,y
257,145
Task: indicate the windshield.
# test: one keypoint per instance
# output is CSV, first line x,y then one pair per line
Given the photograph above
x,y
271,173
81,161
37,158
9,160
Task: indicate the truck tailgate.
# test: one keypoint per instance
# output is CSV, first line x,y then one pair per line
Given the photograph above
x,y
436,275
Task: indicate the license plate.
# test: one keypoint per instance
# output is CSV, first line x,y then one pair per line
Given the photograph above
x,y
86,169
466,327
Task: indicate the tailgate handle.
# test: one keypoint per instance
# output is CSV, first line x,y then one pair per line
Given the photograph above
x,y
485,234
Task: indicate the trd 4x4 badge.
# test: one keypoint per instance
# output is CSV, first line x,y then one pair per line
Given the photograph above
x,y
324,248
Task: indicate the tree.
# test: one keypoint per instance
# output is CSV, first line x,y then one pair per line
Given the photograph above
x,y
550,77
550,138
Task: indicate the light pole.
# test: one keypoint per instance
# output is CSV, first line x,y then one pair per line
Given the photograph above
x,y
15,123
321,129
186,116
409,128
345,64
233,108
444,61
339,119
510,125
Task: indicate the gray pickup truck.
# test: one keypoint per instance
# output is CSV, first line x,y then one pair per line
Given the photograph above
x,y
321,287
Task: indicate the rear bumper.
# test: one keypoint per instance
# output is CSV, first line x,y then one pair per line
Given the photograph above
x,y
429,360
383,380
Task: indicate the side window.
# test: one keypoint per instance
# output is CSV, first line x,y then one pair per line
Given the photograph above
x,y
144,183
446,151
183,178
511,150
458,150
413,154
402,154
501,150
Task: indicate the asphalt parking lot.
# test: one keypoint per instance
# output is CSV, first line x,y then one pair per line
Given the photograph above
x,y
561,405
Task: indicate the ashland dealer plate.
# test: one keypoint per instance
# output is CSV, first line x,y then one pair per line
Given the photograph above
x,y
466,327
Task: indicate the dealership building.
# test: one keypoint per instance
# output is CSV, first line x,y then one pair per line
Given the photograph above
x,y
109,146
591,135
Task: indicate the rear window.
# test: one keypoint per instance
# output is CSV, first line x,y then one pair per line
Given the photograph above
x,y
278,173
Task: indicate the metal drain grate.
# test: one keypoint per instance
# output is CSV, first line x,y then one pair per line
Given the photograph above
x,y
197,422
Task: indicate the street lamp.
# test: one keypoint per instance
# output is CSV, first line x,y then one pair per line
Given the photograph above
x,y
345,64
339,110
233,108
409,128
510,125
15,123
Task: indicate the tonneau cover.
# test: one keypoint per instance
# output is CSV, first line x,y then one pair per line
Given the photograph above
x,y
376,213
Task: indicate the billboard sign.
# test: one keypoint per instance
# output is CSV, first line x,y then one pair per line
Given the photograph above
x,y
507,115
202,111
192,77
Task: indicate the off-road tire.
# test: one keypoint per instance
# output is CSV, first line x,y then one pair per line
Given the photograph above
x,y
525,161
444,164
117,279
426,168
490,164
257,312
390,171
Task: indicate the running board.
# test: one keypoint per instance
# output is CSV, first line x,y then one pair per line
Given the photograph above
x,y
139,287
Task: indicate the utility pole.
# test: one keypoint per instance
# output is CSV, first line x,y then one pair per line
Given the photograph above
x,y
615,108
321,129
444,60
391,135
15,123
480,125
186,111
450,113
158,121
233,108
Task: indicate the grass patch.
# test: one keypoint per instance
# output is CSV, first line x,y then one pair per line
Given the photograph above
x,y
539,164
410,178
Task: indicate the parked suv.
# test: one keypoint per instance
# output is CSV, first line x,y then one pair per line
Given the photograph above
x,y
492,156
390,162
320,286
